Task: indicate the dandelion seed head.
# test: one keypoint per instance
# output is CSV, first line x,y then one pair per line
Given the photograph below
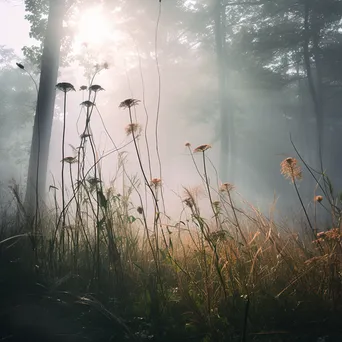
x,y
290,169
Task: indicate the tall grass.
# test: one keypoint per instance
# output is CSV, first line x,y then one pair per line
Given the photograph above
x,y
236,275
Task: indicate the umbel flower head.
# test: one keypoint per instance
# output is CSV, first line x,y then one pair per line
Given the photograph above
x,y
95,88
202,148
84,87
132,128
87,104
65,87
129,103
226,187
290,169
70,160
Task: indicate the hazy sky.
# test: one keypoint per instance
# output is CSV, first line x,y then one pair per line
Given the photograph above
x,y
14,29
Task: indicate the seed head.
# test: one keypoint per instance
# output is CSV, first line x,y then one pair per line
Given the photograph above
x,y
87,104
202,148
84,87
129,103
318,199
69,160
290,169
19,65
65,87
187,144
155,182
95,88
226,187
132,128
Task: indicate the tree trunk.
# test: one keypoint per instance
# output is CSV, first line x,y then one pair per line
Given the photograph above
x,y
37,172
314,81
226,124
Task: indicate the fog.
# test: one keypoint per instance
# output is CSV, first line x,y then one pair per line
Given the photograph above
x,y
163,54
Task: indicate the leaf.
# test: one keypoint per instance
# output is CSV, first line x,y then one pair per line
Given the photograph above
x,y
102,199
131,219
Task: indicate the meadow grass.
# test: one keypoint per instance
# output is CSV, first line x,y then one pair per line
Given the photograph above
x,y
109,265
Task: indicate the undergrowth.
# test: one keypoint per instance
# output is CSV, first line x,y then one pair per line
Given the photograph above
x,y
109,266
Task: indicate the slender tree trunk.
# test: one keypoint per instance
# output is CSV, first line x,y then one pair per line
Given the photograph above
x,y
37,172
226,124
314,81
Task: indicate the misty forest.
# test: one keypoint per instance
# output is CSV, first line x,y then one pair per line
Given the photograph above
x,y
170,170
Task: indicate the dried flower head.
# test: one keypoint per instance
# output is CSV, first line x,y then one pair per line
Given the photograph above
x,y
105,65
128,103
87,104
84,87
132,128
155,182
19,65
140,210
318,199
290,169
202,148
69,160
226,187
65,87
95,88
187,144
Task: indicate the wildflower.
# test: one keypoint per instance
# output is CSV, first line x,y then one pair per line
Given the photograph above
x,y
87,104
226,187
84,87
95,88
132,128
19,65
202,148
155,182
129,103
65,87
187,144
105,65
69,160
290,169
318,199
140,210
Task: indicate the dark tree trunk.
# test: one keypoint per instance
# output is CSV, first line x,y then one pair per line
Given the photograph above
x,y
226,123
37,172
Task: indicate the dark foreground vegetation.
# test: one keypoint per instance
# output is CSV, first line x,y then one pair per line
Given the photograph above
x,y
236,276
